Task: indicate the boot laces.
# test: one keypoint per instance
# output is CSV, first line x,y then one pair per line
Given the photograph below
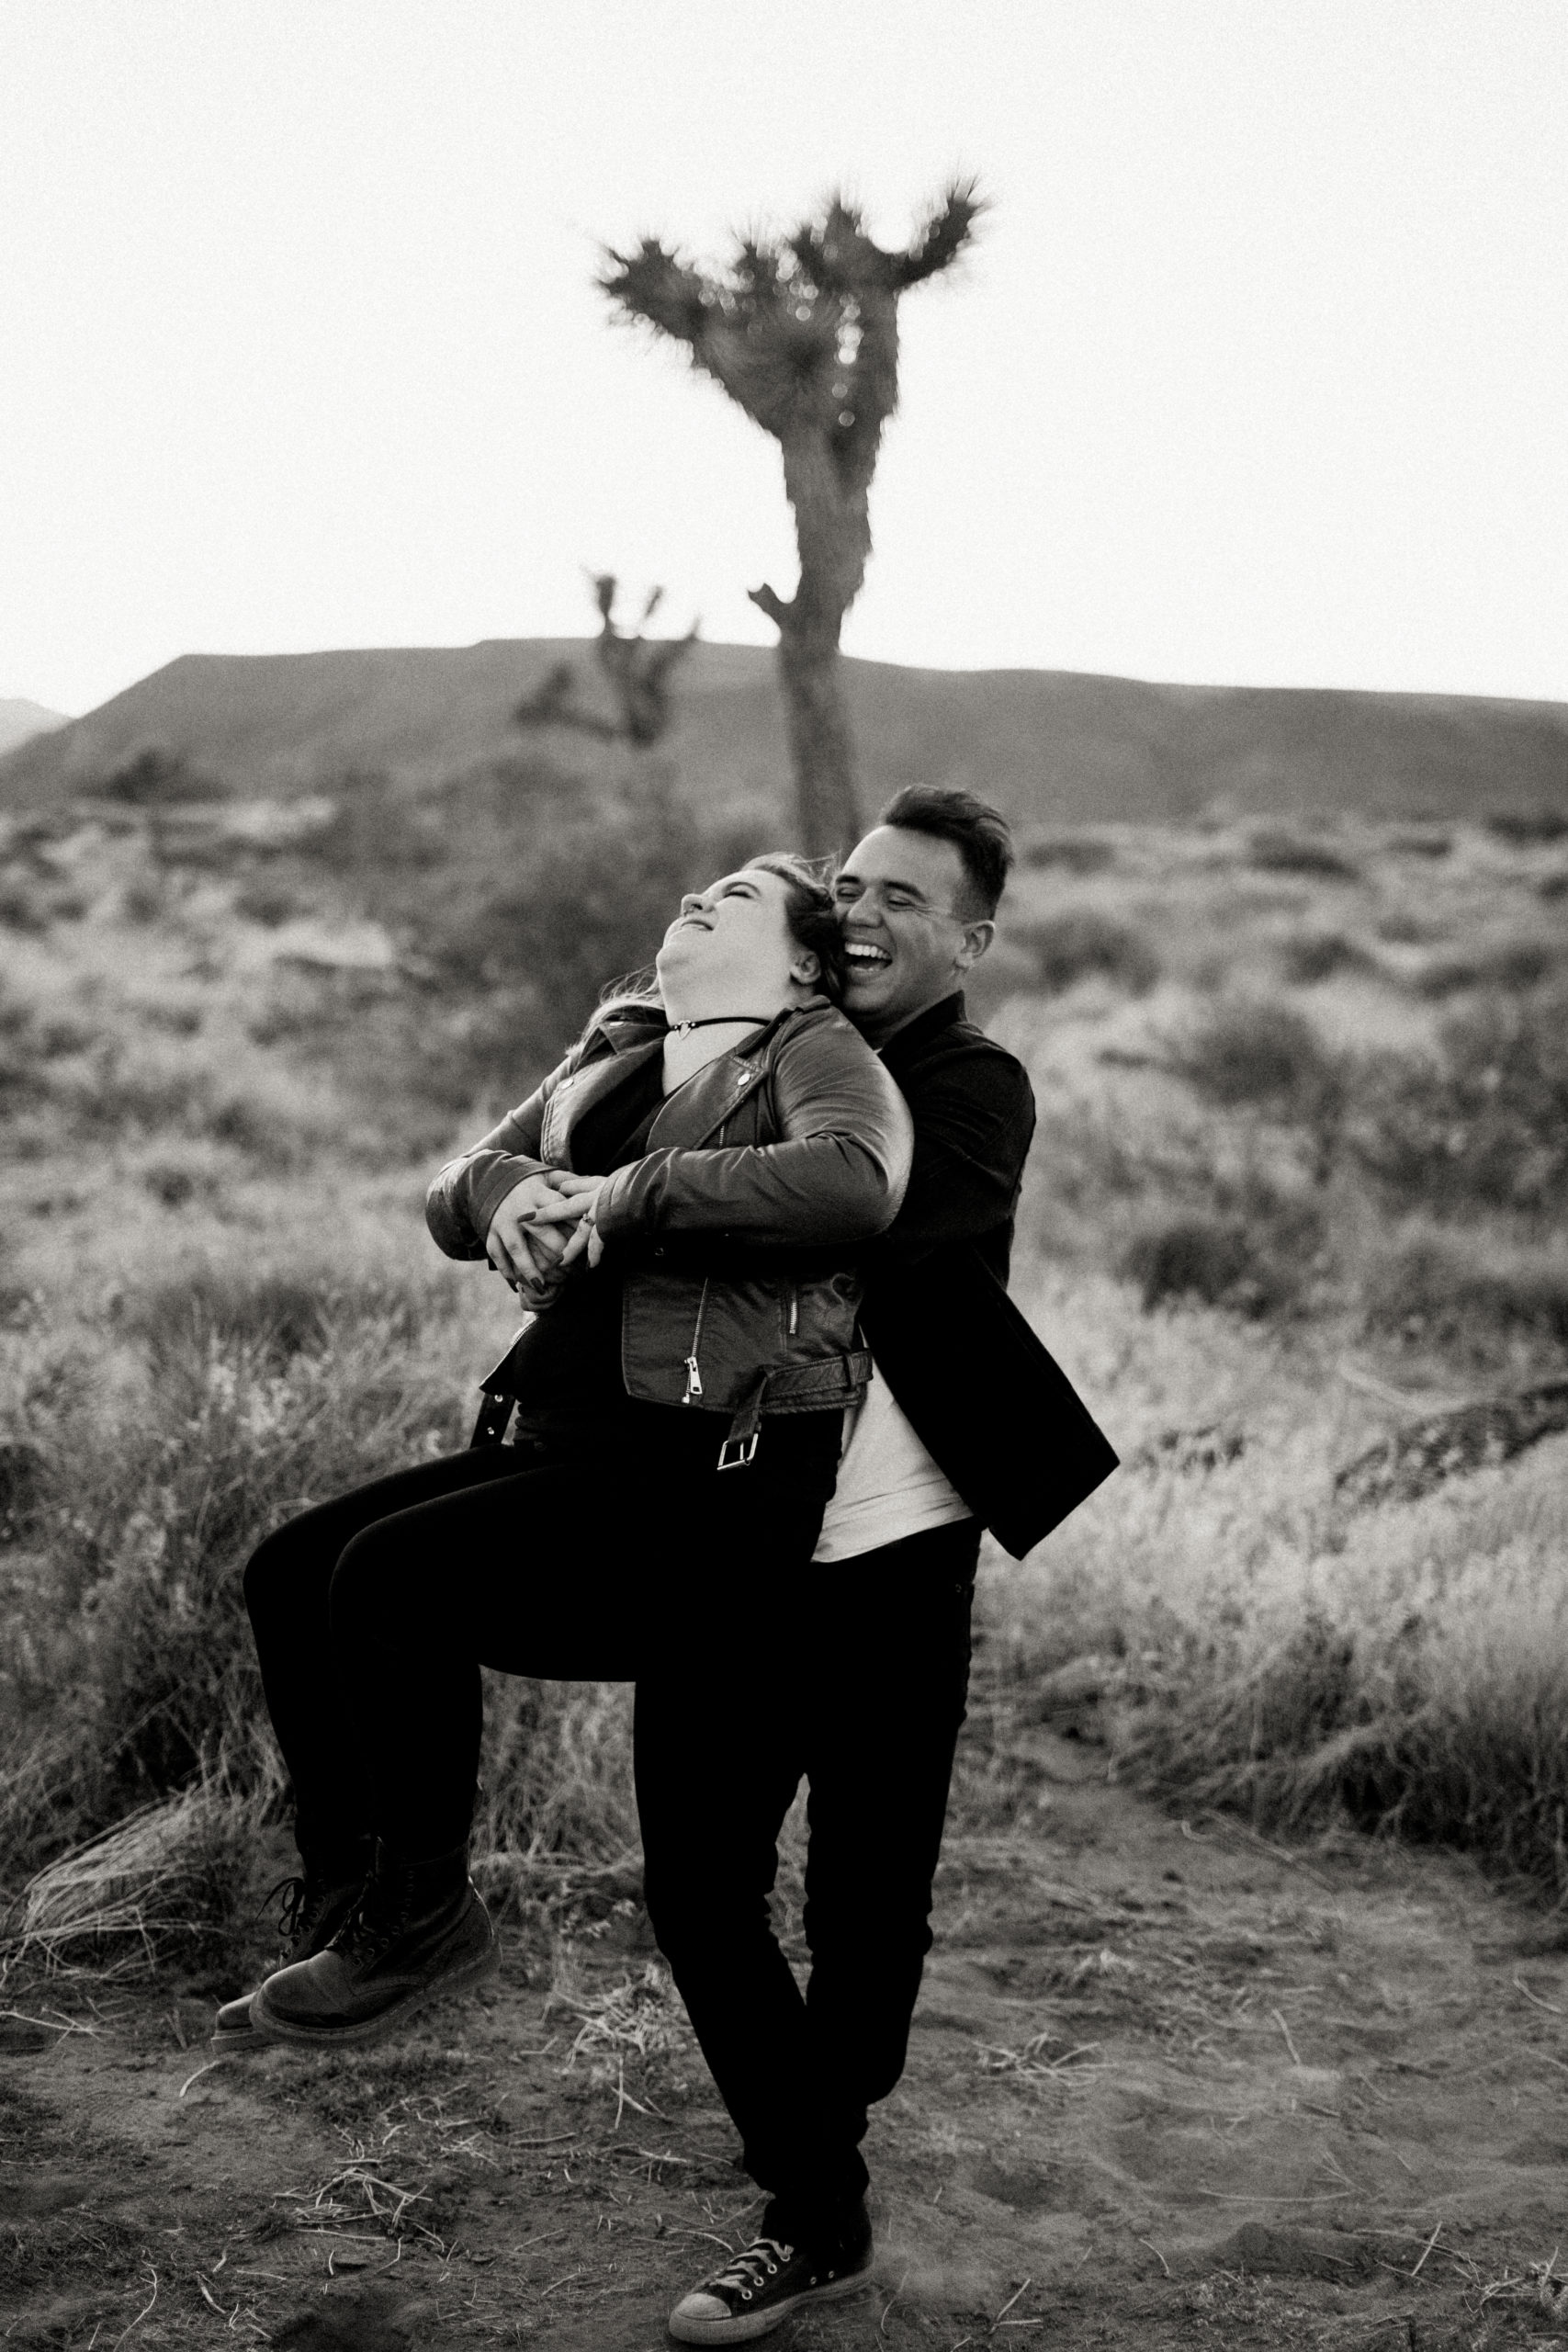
x,y
299,1902
372,1925
764,2258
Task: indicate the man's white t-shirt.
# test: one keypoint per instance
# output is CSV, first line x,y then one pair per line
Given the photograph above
x,y
888,1486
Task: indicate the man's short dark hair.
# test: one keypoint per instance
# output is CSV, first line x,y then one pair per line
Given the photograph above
x,y
980,834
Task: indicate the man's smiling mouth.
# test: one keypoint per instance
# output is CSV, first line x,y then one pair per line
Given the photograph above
x,y
862,956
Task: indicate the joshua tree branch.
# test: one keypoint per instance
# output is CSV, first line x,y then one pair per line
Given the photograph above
x,y
766,601
944,236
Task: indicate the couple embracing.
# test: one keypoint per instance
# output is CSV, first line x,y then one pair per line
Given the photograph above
x,y
772,1392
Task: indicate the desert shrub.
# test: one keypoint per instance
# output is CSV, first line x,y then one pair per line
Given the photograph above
x,y
1281,853
1075,853
513,894
23,909
1484,1121
1255,1264
601,881
1401,927
173,1020
1082,1160
1188,1257
1445,1291
126,1667
1433,845
556,1779
1287,1732
144,899
378,833
21,1490
1410,1677
1527,826
269,902
251,1126
1080,944
1514,964
270,1316
21,1055
169,1183
1316,956
171,1882
157,778
62,1035
1261,1053
120,1092
130,1709
1265,1057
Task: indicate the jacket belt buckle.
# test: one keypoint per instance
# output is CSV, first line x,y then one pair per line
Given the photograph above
x,y
735,1452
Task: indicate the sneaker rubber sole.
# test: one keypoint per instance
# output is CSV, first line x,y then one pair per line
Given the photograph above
x,y
745,2326
460,1977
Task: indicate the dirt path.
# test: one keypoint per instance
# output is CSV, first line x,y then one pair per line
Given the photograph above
x,y
1165,2087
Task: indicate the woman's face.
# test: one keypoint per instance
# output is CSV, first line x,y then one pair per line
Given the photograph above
x,y
732,939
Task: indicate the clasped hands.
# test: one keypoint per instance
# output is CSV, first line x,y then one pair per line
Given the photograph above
x,y
541,1229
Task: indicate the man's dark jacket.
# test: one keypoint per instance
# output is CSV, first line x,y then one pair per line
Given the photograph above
x,y
986,1398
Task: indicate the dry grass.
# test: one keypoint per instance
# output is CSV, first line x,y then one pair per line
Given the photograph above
x,y
642,2015
162,1884
1262,1646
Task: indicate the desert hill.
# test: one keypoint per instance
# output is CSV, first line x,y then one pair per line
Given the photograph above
x,y
1049,745
21,719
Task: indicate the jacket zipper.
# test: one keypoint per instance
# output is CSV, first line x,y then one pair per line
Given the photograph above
x,y
794,1309
694,1374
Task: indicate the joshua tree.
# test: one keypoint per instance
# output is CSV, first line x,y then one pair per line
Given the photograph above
x,y
639,670
802,332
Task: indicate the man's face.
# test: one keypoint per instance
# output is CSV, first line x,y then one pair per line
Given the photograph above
x,y
901,898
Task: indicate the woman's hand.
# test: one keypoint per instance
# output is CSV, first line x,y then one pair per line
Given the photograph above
x,y
523,1243
579,1197
540,1290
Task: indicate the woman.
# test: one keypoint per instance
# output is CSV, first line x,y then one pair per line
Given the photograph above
x,y
717,1151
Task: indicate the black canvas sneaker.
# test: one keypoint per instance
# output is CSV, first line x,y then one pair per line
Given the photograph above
x,y
768,2281
419,1931
314,1906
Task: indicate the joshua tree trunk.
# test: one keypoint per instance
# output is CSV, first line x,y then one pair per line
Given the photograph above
x,y
834,533
803,335
821,748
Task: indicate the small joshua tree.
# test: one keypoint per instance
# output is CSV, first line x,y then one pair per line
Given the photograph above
x,y
802,332
641,672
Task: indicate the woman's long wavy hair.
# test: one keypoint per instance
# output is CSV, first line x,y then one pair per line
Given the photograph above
x,y
813,924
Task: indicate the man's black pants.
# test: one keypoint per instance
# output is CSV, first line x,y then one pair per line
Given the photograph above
x,y
857,1683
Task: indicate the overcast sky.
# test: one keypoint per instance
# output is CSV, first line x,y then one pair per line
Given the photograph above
x,y
1258,374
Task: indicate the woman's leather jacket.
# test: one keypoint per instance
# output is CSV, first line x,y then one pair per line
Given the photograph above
x,y
736,1234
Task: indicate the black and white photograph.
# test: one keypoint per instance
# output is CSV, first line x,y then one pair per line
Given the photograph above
x,y
784,1202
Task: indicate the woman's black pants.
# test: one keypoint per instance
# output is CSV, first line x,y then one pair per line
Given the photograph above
x,y
580,1557
635,1558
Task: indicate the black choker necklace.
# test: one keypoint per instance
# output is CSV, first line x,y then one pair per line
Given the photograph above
x,y
720,1021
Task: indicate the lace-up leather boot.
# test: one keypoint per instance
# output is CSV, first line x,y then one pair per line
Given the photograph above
x,y
418,1931
768,2281
314,1906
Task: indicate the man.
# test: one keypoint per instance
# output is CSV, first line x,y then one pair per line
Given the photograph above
x,y
969,1424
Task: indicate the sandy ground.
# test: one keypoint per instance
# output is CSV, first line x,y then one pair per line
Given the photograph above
x,y
1166,2086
